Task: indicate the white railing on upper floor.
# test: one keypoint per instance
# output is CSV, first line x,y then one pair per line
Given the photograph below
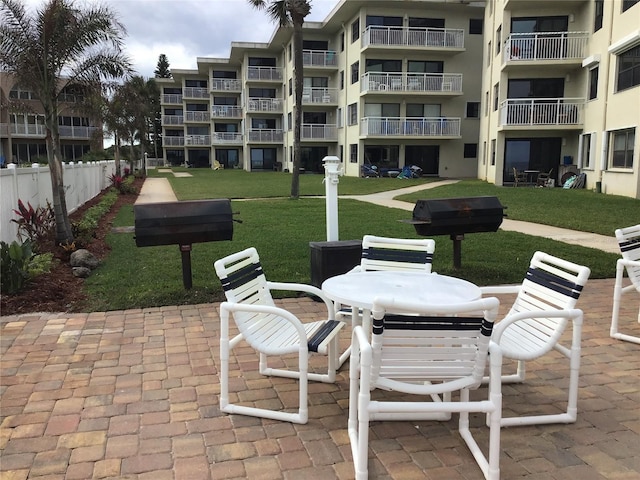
x,y
195,92
313,131
264,135
226,85
410,126
545,46
267,74
319,58
412,82
541,111
413,37
226,111
172,98
255,104
316,95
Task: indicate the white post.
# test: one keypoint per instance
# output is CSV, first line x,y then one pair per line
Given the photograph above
x,y
331,180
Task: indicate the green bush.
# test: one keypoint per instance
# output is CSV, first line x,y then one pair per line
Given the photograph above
x,y
40,264
14,266
84,230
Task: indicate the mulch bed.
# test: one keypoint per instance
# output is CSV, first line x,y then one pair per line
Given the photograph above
x,y
59,290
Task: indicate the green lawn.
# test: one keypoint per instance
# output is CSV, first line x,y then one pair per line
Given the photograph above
x,y
281,230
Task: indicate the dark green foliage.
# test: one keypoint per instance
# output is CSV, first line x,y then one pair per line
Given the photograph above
x,y
14,263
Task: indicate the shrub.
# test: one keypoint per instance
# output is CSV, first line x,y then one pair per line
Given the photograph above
x,y
122,184
14,266
34,224
84,230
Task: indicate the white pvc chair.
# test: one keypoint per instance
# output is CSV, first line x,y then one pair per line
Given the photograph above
x,y
629,240
536,321
397,254
425,351
271,330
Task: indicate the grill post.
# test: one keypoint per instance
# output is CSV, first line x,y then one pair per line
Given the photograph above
x,y
185,251
457,250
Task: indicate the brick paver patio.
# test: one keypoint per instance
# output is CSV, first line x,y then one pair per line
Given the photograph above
x,y
134,394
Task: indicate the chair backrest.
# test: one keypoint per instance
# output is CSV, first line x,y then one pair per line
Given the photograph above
x,y
418,343
629,241
385,253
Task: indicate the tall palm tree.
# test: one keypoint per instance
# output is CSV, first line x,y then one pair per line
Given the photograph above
x,y
57,45
292,13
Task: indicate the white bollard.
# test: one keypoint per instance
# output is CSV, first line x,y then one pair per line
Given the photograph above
x,y
331,180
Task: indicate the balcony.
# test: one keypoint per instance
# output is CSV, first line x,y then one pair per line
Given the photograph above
x,y
319,59
197,140
318,132
172,119
260,135
226,111
264,74
226,138
173,141
172,99
226,85
554,113
4,129
195,92
197,116
264,105
414,38
441,127
70,98
319,96
521,48
432,83
29,130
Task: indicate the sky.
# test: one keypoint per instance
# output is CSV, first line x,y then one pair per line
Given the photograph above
x,y
186,29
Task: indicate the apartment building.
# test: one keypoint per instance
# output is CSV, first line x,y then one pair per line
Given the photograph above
x,y
388,83
561,92
22,131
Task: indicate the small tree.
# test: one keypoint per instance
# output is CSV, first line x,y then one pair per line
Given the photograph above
x,y
162,69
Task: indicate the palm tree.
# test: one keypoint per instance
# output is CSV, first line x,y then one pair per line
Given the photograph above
x,y
59,44
292,13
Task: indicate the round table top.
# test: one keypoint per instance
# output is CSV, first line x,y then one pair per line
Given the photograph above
x,y
359,289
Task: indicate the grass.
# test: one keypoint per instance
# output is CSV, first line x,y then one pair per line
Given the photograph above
x,y
281,230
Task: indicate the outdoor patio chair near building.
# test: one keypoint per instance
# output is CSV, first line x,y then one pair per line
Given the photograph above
x,y
629,240
424,351
270,330
543,178
544,307
519,178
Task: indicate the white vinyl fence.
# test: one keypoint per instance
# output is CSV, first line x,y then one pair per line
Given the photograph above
x,y
82,182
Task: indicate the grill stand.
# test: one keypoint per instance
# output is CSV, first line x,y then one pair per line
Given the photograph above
x,y
187,281
457,249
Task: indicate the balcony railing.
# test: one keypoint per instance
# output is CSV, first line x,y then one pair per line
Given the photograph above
x,y
266,74
172,119
70,98
226,85
413,37
410,127
255,104
197,116
173,141
542,111
318,95
415,83
197,140
4,129
172,98
318,132
195,92
319,58
226,111
226,138
69,131
27,130
545,46
260,135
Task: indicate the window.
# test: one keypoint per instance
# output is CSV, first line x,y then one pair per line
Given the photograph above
x,y
341,79
339,119
321,45
384,21
352,111
587,150
355,30
389,66
353,153
627,4
262,62
484,153
223,74
417,22
629,68
470,150
498,39
495,96
493,152
486,103
593,83
489,52
342,42
475,26
473,109
598,14
355,72
263,158
384,110
289,121
621,155
290,87
419,66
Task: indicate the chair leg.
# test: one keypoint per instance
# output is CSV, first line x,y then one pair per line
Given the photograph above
x,y
618,291
358,422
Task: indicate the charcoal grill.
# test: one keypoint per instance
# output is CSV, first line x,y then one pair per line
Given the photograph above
x,y
456,217
182,224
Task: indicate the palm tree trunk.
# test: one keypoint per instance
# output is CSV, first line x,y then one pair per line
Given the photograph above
x,y
298,77
64,234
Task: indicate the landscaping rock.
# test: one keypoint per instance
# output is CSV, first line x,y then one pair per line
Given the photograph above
x,y
81,272
84,258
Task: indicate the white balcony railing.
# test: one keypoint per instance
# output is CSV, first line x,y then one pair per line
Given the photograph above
x,y
76,131
197,116
261,135
318,95
172,98
319,58
226,111
255,104
4,129
195,92
173,141
413,82
413,37
65,131
226,85
28,130
227,138
266,74
410,127
541,111
319,132
70,98
197,140
545,46
172,119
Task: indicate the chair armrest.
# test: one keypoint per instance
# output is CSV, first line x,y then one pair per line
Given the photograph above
x,y
498,289
574,314
302,287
